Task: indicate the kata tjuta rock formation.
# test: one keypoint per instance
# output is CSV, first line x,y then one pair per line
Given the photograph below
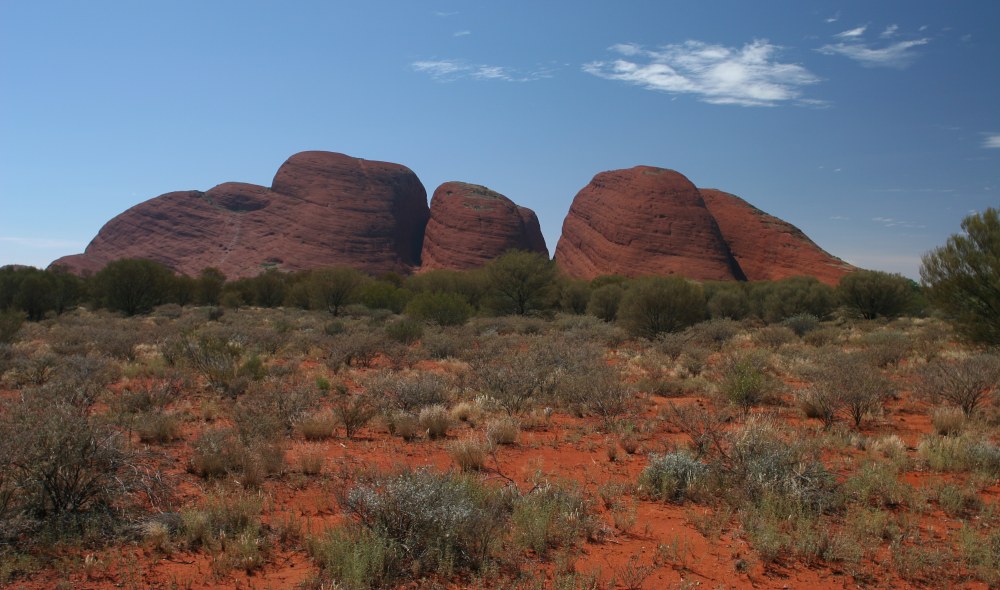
x,y
767,248
643,221
470,225
323,209
646,220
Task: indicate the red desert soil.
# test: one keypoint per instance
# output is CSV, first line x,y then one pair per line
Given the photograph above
x,y
662,548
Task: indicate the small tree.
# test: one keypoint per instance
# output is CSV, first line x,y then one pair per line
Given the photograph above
x,y
133,286
965,382
654,305
963,277
520,281
333,288
873,293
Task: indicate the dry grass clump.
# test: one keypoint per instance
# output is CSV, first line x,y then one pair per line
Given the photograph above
x,y
948,420
435,421
318,425
503,431
469,453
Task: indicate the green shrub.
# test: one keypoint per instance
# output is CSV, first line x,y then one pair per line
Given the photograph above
x,y
132,286
672,477
436,522
551,516
444,309
654,305
356,558
520,282
873,293
774,301
745,379
10,324
604,301
961,277
801,323
405,330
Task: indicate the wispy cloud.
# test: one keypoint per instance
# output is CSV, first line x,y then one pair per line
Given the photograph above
x,y
852,33
746,76
443,14
834,18
462,33
892,222
991,140
42,242
446,70
889,31
852,44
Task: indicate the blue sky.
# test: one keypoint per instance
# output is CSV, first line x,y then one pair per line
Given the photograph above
x,y
873,126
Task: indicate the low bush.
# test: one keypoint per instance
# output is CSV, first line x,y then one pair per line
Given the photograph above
x,y
746,381
672,477
966,382
435,421
552,516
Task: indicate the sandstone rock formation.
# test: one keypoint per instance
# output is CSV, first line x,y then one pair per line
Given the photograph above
x,y
654,221
323,209
767,248
470,225
642,221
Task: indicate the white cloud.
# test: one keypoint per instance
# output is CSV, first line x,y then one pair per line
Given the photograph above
x,y
834,18
889,31
894,55
443,14
462,33
447,70
991,141
746,76
892,222
852,33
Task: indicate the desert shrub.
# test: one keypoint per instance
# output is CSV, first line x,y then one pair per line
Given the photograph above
x,y
221,362
706,429
384,295
672,477
353,411
874,293
503,431
444,309
469,453
61,468
132,286
654,305
356,348
407,391
981,553
405,330
886,348
433,522
774,301
821,403
961,453
331,289
756,464
713,334
746,380
574,295
318,426
877,484
848,384
10,324
727,300
520,282
442,344
961,277
604,301
228,525
159,427
269,411
356,558
693,360
965,382
435,421
801,323
600,390
774,337
821,337
948,420
402,424
552,516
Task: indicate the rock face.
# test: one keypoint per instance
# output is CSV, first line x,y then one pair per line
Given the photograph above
x,y
767,248
323,209
642,221
470,225
646,220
